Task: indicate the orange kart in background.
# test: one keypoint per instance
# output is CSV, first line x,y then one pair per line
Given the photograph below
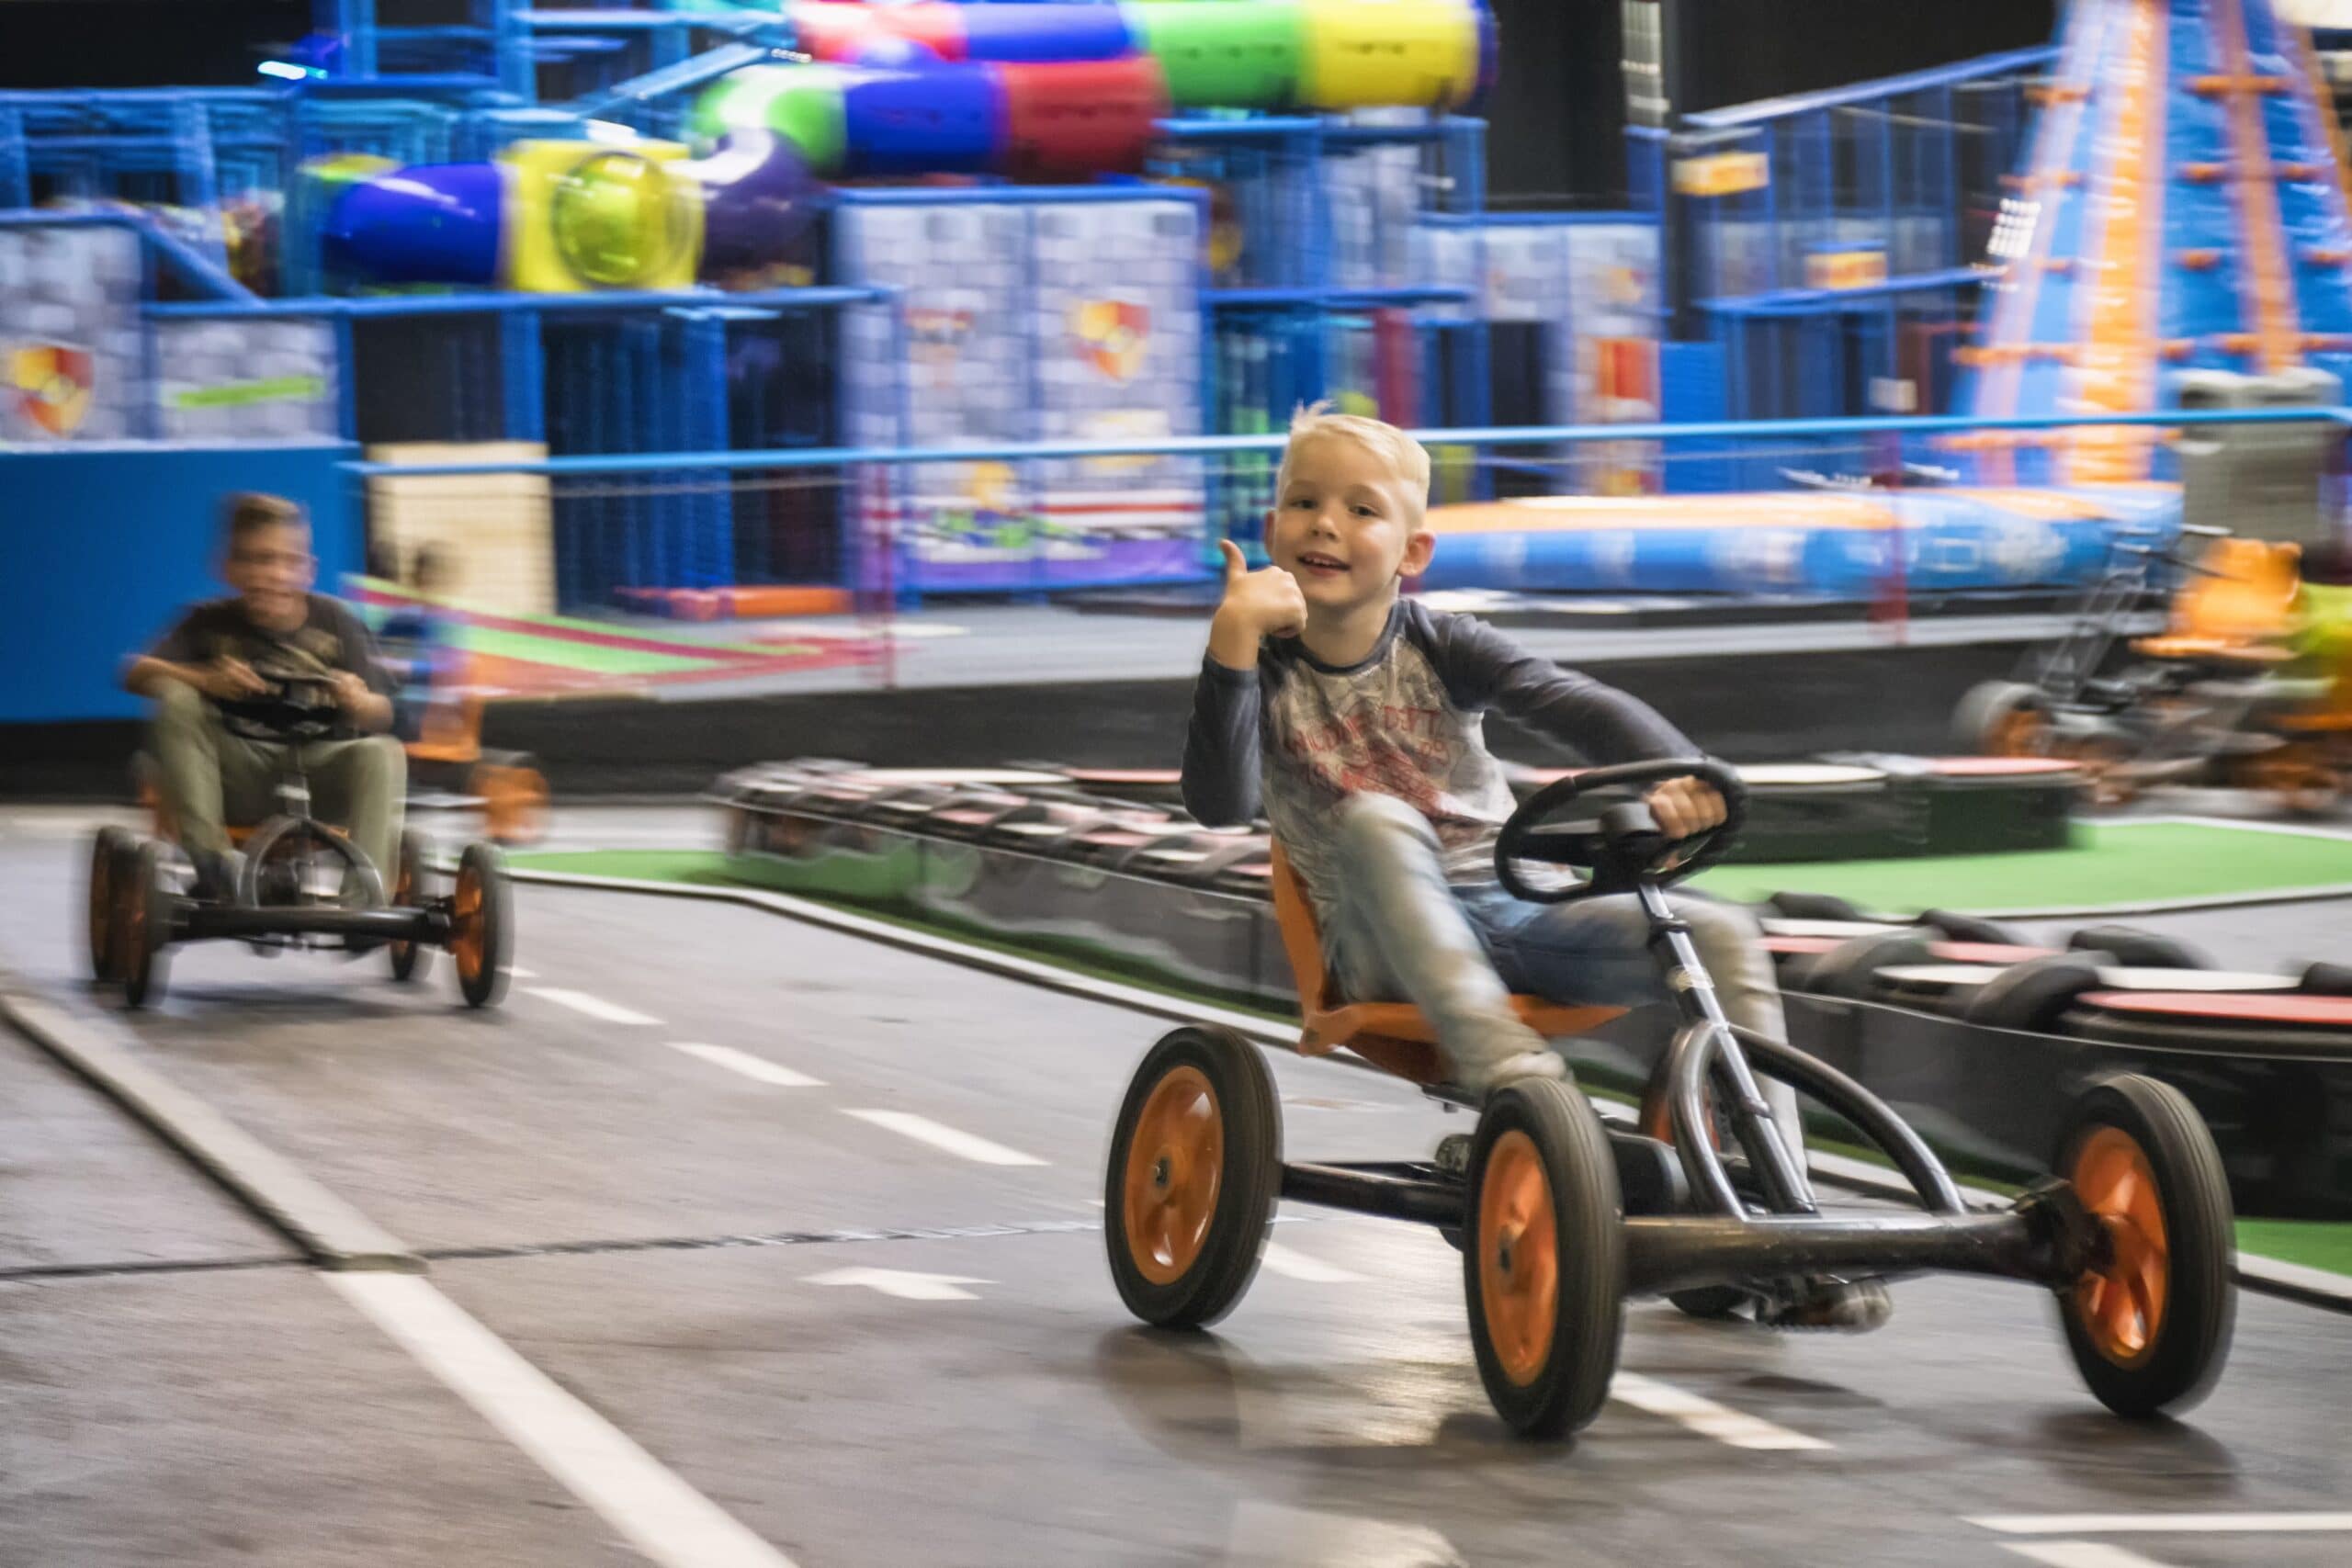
x,y
2247,687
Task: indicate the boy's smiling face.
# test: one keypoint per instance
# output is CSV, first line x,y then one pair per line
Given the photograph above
x,y
271,570
1345,526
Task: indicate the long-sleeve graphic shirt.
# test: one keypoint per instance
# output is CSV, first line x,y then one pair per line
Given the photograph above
x,y
1300,737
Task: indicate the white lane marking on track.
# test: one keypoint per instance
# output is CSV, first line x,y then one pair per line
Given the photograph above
x,y
1267,1535
663,1517
904,1284
595,1007
516,972
1705,1416
1293,1264
2163,1524
2080,1554
923,1129
751,1067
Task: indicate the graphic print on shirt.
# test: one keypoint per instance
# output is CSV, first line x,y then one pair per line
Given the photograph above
x,y
1386,730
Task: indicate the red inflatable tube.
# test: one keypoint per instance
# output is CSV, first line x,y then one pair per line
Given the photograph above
x,y
831,30
1083,117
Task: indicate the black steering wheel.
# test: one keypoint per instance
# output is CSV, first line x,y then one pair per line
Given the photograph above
x,y
281,713
1615,842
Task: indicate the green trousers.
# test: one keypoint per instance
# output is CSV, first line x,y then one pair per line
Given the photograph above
x,y
210,778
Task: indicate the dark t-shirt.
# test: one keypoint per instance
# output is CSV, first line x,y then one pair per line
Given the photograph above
x,y
330,638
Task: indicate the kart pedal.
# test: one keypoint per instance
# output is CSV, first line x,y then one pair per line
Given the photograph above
x,y
1829,1306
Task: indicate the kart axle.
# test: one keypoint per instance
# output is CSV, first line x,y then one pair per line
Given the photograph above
x,y
203,922
1675,1254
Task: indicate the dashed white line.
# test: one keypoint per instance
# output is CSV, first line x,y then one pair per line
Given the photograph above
x,y
905,1284
1293,1264
2080,1554
595,1007
516,972
751,1067
2164,1524
663,1517
923,1129
1705,1416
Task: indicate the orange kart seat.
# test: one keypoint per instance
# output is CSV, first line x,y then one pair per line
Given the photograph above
x,y
514,799
1391,1035
2240,607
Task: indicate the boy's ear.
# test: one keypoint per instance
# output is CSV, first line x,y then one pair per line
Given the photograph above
x,y
1419,545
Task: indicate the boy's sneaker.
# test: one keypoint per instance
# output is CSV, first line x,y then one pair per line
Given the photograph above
x,y
216,874
1525,1065
1827,1302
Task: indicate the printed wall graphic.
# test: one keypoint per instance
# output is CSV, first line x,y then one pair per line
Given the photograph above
x,y
1010,337
245,380
70,336
53,385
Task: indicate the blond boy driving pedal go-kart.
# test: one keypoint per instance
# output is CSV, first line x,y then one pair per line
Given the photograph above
x,y
1356,716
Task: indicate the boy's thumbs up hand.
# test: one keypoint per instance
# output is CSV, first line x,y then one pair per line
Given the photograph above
x,y
1258,604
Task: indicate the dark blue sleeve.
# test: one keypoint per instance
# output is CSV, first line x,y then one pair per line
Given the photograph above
x,y
1220,782
1483,668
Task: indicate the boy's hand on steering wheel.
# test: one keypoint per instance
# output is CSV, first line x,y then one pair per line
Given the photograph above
x,y
350,691
1267,602
1685,805
227,679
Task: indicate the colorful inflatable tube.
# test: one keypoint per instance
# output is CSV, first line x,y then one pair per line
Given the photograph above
x,y
567,217
1069,118
1318,54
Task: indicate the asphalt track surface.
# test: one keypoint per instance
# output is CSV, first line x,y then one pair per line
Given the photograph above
x,y
836,1339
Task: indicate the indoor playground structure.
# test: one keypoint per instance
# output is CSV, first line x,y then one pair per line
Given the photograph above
x,y
560,255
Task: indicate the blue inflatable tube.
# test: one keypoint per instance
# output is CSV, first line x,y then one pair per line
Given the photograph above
x,y
1947,544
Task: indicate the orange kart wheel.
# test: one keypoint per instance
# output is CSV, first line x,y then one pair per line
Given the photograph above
x,y
142,923
408,958
2149,1321
481,926
108,852
2304,779
2001,718
1544,1271
1195,1167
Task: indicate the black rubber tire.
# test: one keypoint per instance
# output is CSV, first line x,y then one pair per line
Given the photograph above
x,y
2325,979
1250,1175
1953,926
2136,948
2035,995
143,905
1812,906
481,867
2184,1358
109,855
1846,970
409,959
1986,704
1567,1390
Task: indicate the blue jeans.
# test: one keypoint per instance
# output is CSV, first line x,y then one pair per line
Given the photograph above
x,y
1398,930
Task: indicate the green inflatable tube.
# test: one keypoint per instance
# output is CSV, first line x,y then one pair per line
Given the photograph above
x,y
1235,53
803,104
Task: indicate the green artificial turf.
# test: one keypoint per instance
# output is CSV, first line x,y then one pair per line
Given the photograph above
x,y
2314,1244
2123,863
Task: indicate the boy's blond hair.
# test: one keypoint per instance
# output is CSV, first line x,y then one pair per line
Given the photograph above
x,y
1408,458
